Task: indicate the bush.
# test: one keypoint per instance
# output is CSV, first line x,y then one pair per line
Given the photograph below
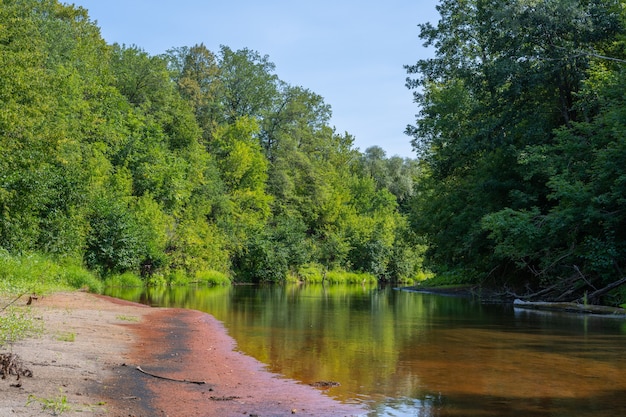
x,y
261,261
77,276
316,273
17,323
178,278
311,273
127,280
212,278
344,277
29,273
114,242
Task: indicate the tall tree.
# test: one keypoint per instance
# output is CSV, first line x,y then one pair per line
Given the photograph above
x,y
505,75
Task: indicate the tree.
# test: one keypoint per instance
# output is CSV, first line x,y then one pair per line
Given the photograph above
x,y
505,76
248,86
577,244
187,161
197,74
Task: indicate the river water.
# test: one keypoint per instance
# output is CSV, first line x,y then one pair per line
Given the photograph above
x,y
408,354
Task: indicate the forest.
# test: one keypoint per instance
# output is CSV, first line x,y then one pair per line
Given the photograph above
x,y
205,165
521,138
190,165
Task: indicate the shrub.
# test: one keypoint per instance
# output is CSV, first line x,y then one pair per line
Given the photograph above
x,y
17,323
127,280
212,277
77,276
178,278
316,273
311,273
344,277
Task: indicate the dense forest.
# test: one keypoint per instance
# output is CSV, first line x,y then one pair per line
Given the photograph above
x,y
187,164
196,162
521,138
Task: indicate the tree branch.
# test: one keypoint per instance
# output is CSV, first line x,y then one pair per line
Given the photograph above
x,y
606,289
170,379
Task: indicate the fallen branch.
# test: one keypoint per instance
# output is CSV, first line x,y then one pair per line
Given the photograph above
x,y
13,302
229,398
602,291
170,379
569,307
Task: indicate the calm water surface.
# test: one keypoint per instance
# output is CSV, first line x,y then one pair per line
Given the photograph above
x,y
409,354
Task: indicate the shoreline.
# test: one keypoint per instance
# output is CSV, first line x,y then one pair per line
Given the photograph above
x,y
88,355
471,292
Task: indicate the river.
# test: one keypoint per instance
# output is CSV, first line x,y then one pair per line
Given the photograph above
x,y
410,354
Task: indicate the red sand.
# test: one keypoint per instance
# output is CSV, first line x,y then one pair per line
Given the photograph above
x,y
193,346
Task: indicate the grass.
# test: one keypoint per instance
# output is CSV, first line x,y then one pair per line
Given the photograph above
x,y
125,280
127,318
315,273
41,274
57,405
212,278
180,278
33,273
67,337
17,323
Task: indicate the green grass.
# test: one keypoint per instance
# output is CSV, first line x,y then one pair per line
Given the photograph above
x,y
33,273
57,405
41,274
212,278
66,337
180,278
125,280
77,276
315,273
133,319
17,323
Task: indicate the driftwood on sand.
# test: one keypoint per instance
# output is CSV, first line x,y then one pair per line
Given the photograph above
x,y
170,379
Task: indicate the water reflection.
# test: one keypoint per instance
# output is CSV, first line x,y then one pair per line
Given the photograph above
x,y
407,354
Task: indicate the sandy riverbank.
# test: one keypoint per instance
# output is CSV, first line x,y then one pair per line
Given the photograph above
x,y
86,362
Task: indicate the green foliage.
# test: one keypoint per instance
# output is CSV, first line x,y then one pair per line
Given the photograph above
x,y
262,260
212,278
114,243
345,277
41,274
125,280
519,132
316,273
57,405
17,323
178,278
77,276
170,166
310,273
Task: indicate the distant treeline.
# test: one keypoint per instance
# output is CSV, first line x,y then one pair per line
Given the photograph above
x,y
191,162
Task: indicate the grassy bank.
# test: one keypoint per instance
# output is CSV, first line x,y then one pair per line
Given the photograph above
x,y
35,275
40,274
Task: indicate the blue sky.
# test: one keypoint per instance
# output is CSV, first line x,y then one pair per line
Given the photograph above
x,y
350,52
